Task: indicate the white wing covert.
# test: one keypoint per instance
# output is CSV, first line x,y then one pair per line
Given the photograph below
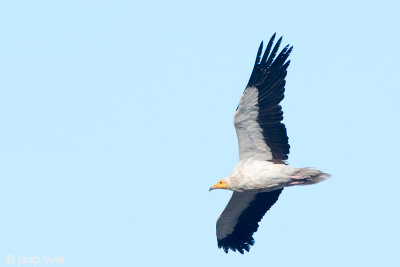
x,y
239,220
261,134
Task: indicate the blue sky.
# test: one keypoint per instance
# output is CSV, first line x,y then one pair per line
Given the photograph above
x,y
116,118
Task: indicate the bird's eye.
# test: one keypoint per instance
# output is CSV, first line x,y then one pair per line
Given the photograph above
x,y
220,182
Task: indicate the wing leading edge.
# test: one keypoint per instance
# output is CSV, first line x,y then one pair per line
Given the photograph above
x,y
239,220
261,134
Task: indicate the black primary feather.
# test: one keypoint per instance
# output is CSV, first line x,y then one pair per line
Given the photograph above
x,y
268,76
247,224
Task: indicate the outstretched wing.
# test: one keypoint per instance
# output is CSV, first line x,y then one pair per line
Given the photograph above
x,y
261,134
239,220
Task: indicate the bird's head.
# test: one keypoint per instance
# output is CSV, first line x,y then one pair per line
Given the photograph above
x,y
222,184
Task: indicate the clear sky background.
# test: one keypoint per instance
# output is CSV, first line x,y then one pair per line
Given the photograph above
x,y
116,118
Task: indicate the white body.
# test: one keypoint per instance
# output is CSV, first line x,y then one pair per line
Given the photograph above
x,y
256,170
262,176
261,172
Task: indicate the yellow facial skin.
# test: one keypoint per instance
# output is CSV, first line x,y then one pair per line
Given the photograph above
x,y
220,185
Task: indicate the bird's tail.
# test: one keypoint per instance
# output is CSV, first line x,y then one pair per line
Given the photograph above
x,y
306,176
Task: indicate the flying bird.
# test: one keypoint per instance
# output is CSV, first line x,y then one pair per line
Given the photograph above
x,y
261,172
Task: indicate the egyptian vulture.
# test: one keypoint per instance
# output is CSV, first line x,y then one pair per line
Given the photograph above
x,y
261,172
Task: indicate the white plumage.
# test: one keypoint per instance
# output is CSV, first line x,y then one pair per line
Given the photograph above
x,y
261,173
250,138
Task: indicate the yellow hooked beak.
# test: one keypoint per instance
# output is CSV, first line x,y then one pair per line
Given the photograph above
x,y
220,185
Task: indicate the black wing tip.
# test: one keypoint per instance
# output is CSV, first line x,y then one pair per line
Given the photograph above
x,y
230,243
271,40
265,60
279,41
286,65
258,58
242,238
271,56
244,223
268,58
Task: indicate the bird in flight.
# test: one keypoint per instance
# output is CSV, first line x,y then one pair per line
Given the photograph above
x,y
261,172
